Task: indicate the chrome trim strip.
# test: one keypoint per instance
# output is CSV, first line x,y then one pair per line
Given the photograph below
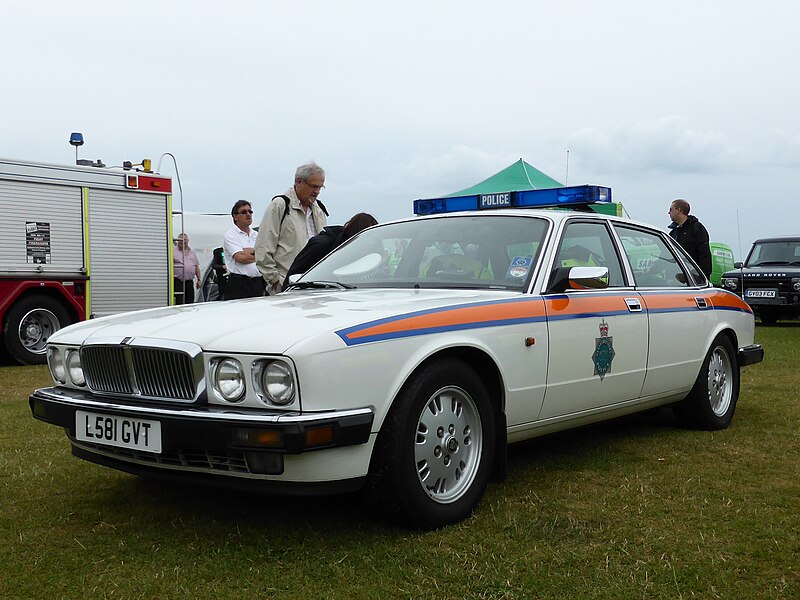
x,y
61,397
143,342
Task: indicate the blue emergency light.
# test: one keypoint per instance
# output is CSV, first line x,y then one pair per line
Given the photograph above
x,y
578,195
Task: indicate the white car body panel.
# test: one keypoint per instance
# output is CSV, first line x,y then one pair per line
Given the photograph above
x,y
355,349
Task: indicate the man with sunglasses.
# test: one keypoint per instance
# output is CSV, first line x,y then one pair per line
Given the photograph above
x,y
291,219
244,279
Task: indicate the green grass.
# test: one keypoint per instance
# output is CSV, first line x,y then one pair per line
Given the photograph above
x,y
631,509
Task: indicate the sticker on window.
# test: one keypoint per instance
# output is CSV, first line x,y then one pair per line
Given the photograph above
x,y
519,267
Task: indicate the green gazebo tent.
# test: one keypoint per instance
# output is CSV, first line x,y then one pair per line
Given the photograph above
x,y
518,177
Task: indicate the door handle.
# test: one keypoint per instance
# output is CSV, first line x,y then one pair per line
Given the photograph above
x,y
633,304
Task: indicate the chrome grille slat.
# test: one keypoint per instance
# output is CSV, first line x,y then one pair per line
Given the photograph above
x,y
148,372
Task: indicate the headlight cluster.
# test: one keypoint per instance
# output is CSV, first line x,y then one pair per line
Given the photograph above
x,y
730,283
272,380
227,378
796,284
65,366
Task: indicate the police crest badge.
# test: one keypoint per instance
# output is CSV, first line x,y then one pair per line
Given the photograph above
x,y
603,351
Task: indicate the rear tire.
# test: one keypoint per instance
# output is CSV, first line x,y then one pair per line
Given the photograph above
x,y
29,324
434,454
768,316
711,403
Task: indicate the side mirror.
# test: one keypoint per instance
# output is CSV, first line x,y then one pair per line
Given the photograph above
x,y
738,265
579,278
294,278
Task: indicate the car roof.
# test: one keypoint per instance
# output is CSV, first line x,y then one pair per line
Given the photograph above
x,y
553,215
788,238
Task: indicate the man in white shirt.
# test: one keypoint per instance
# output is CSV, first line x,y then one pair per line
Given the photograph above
x,y
244,278
290,220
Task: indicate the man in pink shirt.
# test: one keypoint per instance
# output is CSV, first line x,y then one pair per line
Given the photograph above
x,y
185,268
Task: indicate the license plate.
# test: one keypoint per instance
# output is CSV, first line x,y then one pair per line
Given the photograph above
x,y
122,432
760,293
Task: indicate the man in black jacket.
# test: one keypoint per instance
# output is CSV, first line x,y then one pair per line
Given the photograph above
x,y
325,242
690,234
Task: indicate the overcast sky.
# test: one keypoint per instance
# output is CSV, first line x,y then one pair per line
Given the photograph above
x,y
407,100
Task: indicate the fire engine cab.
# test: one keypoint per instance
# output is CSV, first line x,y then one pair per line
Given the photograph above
x,y
78,242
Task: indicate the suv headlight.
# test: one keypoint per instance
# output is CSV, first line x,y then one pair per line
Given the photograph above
x,y
275,382
796,284
730,283
75,368
55,360
228,379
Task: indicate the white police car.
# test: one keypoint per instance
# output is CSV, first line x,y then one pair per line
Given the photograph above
x,y
405,361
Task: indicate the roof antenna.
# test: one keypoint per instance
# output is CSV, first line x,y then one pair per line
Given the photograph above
x,y
566,175
739,233
525,169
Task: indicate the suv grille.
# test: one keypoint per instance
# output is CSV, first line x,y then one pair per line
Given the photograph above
x,y
158,373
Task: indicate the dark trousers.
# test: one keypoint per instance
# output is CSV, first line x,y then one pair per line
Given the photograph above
x,y
241,286
187,287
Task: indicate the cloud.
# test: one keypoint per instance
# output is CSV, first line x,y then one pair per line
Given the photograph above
x,y
427,174
666,145
782,151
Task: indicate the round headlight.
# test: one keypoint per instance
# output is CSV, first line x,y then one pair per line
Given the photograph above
x,y
730,284
55,361
278,383
229,379
74,367
796,286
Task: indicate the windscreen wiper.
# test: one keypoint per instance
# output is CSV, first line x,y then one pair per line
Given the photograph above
x,y
318,285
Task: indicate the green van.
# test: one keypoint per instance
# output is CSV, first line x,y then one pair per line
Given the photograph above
x,y
721,261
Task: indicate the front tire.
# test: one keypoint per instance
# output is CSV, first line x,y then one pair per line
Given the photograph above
x,y
711,403
29,324
435,451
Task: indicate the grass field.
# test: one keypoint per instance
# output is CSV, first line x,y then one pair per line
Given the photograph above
x,y
632,509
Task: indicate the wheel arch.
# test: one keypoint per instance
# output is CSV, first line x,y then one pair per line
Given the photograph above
x,y
48,291
732,337
487,370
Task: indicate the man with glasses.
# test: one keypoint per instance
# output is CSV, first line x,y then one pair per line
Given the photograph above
x,y
244,279
291,219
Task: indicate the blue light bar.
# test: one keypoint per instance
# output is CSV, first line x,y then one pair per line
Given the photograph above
x,y
578,195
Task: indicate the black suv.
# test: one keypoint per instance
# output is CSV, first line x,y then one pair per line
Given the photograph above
x,y
769,280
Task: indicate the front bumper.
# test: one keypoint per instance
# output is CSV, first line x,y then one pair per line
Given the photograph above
x,y
778,301
750,355
253,435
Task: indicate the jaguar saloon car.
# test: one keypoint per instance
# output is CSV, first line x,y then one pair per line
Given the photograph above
x,y
404,362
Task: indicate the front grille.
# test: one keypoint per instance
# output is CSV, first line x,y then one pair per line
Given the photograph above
x,y
163,373
159,373
105,369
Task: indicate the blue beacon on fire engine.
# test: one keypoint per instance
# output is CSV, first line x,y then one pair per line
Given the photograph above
x,y
546,198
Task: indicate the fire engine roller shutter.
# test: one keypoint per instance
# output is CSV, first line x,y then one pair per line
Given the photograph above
x,y
59,206
128,251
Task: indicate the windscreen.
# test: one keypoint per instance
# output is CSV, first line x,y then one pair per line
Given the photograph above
x,y
497,252
786,252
